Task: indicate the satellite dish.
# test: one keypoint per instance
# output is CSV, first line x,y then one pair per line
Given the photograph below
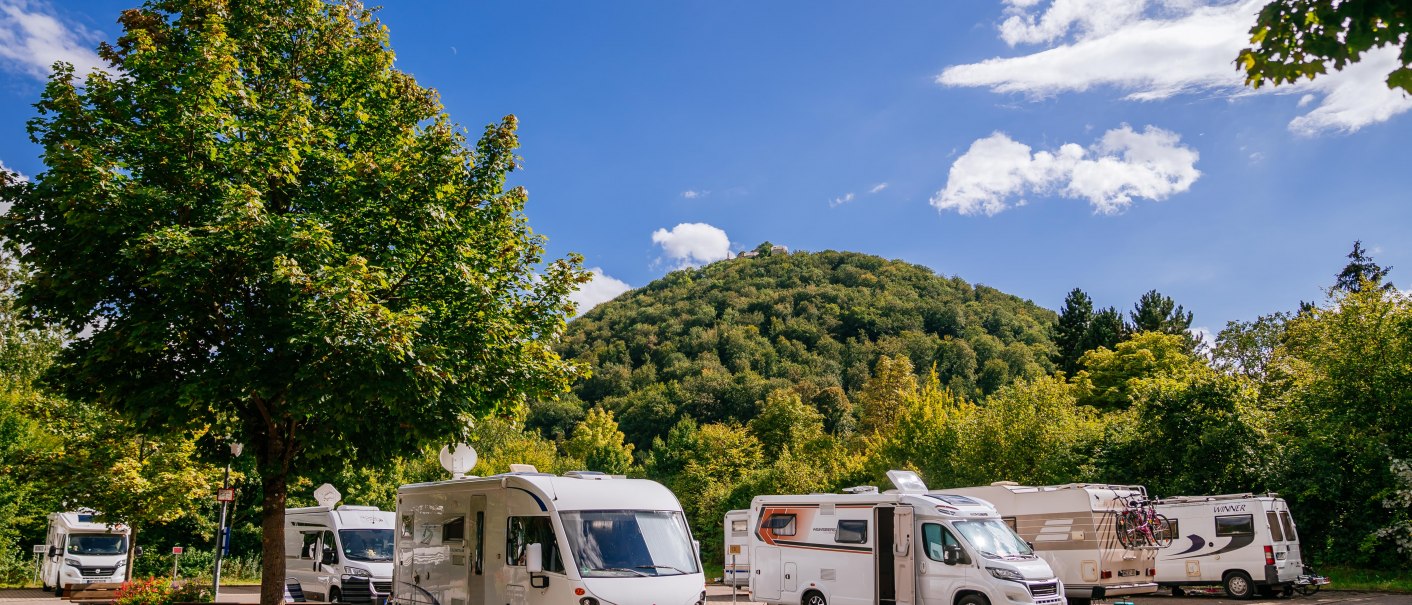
x,y
458,461
327,495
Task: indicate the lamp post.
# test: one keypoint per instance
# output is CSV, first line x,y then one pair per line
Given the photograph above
x,y
223,533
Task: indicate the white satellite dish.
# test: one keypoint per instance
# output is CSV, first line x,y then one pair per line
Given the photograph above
x,y
327,495
459,461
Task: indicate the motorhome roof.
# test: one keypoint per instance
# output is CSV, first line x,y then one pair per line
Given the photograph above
x,y
1216,498
941,502
82,521
1017,488
583,491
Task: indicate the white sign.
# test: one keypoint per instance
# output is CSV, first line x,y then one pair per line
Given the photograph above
x,y
459,461
39,549
327,495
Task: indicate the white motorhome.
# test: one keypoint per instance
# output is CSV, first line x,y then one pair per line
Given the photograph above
x,y
1246,543
83,551
736,549
539,539
902,547
341,554
1073,527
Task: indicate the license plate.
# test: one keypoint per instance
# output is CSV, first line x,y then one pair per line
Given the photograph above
x,y
1127,573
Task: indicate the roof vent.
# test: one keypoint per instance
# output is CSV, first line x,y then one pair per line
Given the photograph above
x,y
1004,483
523,468
595,475
861,489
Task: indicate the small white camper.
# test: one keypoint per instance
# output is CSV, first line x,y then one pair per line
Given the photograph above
x,y
81,551
341,554
1246,543
1073,527
736,549
538,539
902,547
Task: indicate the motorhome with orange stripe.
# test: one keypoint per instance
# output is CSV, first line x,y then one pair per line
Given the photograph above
x,y
905,546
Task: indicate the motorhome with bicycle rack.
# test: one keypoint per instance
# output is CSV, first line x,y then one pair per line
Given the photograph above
x,y
1246,543
539,539
905,546
736,549
81,551
342,554
1075,528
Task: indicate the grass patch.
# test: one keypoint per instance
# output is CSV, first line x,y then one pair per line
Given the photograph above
x,y
1352,578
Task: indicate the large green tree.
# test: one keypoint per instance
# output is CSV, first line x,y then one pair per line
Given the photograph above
x,y
1361,271
267,229
1071,329
1299,39
1155,312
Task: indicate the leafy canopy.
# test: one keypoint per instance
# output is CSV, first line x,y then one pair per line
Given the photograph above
x,y
1301,39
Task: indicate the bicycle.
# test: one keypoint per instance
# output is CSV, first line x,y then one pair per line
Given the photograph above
x,y
1140,525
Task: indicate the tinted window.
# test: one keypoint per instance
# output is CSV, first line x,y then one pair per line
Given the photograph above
x,y
1235,525
936,538
366,544
524,531
782,525
454,530
1273,519
851,532
739,528
1173,530
1289,526
311,545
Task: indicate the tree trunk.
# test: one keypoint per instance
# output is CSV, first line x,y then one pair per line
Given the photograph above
x,y
131,551
274,474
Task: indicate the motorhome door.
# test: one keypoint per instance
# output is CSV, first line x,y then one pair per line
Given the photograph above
x,y
768,579
476,534
904,573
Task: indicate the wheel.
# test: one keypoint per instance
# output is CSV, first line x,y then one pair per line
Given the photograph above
x,y
973,599
334,595
58,588
1178,591
1287,591
1307,589
1238,585
814,598
1123,530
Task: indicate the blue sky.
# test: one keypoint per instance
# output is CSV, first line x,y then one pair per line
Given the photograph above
x,y
1030,145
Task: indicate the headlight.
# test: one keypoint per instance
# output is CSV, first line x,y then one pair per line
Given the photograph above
x,y
72,562
122,563
355,571
1005,574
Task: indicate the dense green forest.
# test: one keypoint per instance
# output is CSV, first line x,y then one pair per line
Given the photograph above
x,y
815,371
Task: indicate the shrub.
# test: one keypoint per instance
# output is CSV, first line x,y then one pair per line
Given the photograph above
x,y
149,591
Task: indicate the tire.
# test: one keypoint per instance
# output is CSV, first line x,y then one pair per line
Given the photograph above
x,y
1178,591
1287,591
334,595
814,598
1238,585
58,588
973,599
1123,530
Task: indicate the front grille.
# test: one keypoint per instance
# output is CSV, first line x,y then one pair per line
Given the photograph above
x,y
95,572
383,587
1044,590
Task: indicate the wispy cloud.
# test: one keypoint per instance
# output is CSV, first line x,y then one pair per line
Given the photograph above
x,y
841,200
997,172
877,188
693,244
33,37
1155,49
692,194
18,174
600,289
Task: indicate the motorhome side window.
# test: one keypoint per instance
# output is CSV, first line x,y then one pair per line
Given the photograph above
x,y
936,538
851,532
454,530
1173,530
781,525
310,549
524,531
1235,525
739,528
1289,526
480,541
1276,532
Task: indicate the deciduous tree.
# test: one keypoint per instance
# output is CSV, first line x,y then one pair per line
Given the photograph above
x,y
1300,39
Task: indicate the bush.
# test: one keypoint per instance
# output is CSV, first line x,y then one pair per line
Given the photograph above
x,y
151,591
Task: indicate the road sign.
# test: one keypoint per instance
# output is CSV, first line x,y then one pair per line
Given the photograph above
x,y
176,550
39,549
225,494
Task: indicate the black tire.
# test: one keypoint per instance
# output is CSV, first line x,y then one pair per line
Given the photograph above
x,y
1307,589
1238,585
1287,591
334,595
973,599
814,598
1178,591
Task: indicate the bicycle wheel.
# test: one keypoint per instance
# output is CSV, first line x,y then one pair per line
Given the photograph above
x,y
1122,530
1162,531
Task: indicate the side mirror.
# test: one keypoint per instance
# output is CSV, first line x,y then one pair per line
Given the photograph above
x,y
534,558
137,552
951,554
697,545
330,557
53,551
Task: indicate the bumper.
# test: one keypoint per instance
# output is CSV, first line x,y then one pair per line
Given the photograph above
x,y
1099,592
362,589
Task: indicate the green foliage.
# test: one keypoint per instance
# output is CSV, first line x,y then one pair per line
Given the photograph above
x,y
1362,272
884,395
1301,39
1105,331
599,444
785,422
1032,432
1246,348
1157,313
1071,330
271,231
149,591
1109,376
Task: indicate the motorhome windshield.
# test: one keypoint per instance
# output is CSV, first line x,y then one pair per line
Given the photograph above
x,y
626,543
994,540
372,545
97,544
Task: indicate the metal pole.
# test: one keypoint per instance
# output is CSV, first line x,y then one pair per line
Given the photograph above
x,y
734,581
220,539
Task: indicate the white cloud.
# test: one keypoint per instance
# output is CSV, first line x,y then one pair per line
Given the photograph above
x,y
877,188
1120,166
602,288
1154,50
691,244
692,194
841,200
21,175
33,37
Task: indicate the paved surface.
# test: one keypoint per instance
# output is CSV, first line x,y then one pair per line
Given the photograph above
x,y
722,594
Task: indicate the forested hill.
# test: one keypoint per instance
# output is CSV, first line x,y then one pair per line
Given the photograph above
x,y
711,342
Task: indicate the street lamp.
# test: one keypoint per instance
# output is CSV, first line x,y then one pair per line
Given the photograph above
x,y
223,533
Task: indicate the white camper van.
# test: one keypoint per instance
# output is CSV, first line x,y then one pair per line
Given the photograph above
x,y
736,547
901,547
537,539
82,551
1073,527
341,554
1246,543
